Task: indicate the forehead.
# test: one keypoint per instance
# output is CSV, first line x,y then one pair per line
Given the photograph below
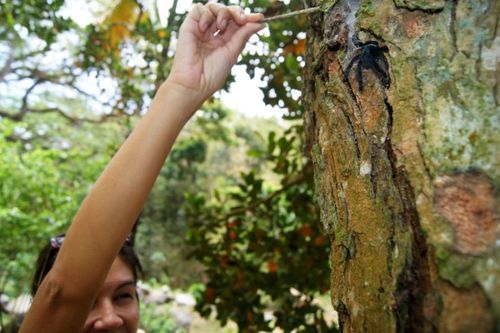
x,y
118,274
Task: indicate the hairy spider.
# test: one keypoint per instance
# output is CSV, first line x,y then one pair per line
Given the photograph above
x,y
370,56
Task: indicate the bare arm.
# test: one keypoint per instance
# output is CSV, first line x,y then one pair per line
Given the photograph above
x,y
107,215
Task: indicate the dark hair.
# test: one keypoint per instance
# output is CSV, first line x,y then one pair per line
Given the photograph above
x,y
48,254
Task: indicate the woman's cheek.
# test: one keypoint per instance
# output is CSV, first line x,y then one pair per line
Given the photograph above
x,y
131,317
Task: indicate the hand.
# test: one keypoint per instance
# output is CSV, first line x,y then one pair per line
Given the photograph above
x,y
210,41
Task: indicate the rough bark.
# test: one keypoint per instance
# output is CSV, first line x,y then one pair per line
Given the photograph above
x,y
407,166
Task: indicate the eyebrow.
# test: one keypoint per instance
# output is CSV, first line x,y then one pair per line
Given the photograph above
x,y
126,284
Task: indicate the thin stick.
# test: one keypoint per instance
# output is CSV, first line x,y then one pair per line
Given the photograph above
x,y
291,14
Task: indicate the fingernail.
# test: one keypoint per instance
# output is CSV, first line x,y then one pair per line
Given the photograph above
x,y
223,24
203,26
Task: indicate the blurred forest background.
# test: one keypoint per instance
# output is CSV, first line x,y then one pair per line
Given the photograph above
x,y
231,218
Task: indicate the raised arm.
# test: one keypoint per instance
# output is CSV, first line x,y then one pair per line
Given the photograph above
x,y
203,60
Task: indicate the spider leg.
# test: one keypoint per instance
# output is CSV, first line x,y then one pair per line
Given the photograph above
x,y
381,73
349,67
356,41
382,63
359,44
371,43
385,67
359,75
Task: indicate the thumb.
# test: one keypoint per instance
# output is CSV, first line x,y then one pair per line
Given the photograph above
x,y
243,34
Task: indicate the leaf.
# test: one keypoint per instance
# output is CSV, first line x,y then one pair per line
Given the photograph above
x,y
121,21
297,48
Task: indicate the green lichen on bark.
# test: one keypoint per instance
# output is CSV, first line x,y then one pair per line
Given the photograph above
x,y
420,4
455,77
356,179
441,118
462,118
328,212
456,73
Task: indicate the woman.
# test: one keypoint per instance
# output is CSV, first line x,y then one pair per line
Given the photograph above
x,y
79,290
117,305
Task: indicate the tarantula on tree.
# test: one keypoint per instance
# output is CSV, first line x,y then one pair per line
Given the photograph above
x,y
369,56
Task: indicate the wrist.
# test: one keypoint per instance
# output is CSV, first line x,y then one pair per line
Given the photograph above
x,y
185,99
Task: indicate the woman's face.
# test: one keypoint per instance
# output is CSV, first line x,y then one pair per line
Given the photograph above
x,y
116,308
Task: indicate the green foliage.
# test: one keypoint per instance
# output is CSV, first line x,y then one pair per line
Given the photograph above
x,y
258,240
40,190
210,154
163,223
282,59
39,17
252,227
153,322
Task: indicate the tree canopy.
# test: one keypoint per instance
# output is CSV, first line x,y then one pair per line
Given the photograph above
x,y
237,197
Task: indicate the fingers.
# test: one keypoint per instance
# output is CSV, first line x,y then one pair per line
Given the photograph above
x,y
240,35
227,13
255,17
220,15
205,17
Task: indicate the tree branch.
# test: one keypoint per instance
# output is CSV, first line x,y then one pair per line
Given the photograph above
x,y
25,109
24,105
289,182
61,79
74,120
141,11
6,68
166,46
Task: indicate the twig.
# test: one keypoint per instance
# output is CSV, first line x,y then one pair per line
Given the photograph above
x,y
311,10
293,180
74,120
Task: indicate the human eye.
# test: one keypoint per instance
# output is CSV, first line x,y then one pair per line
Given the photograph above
x,y
125,296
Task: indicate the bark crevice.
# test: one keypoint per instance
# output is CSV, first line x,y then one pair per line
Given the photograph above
x,y
453,23
416,8
414,284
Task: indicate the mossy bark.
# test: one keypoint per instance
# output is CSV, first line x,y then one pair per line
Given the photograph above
x,y
407,173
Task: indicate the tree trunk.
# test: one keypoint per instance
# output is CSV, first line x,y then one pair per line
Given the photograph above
x,y
403,132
